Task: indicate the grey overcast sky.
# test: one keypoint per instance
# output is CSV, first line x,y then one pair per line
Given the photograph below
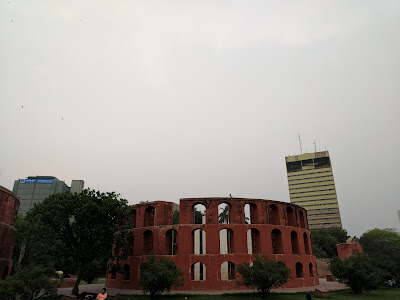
x,y
160,100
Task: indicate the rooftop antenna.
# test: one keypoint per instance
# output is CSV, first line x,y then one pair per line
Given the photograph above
x,y
315,147
301,149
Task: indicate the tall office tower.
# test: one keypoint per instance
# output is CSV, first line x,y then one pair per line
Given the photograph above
x,y
35,189
311,186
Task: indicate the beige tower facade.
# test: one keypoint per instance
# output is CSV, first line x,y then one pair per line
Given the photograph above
x,y
311,186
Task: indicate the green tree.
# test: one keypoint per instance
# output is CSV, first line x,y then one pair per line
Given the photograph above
x,y
87,225
263,275
175,217
158,275
383,247
223,216
27,283
198,216
357,272
324,241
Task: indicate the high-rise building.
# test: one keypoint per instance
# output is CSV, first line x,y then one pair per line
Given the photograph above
x,y
35,189
311,186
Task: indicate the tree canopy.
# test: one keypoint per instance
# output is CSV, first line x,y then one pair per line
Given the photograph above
x,y
357,272
324,241
158,275
85,226
263,274
27,283
223,216
383,246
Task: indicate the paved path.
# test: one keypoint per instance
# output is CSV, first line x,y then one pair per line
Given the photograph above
x,y
96,288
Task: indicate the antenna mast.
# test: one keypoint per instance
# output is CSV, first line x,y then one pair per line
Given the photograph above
x,y
315,147
301,149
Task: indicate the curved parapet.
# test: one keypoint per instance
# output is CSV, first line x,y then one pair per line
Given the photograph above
x,y
214,235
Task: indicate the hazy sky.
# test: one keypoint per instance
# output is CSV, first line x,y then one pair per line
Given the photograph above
x,y
160,100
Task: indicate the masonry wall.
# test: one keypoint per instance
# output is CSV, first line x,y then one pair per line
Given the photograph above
x,y
9,204
277,229
348,249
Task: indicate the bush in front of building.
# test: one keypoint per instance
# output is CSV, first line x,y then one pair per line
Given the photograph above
x,y
158,275
27,284
263,275
357,272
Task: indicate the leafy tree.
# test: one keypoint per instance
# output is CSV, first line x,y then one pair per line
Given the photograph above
x,y
357,272
263,275
383,247
175,217
34,247
324,241
27,283
86,226
158,275
198,216
223,216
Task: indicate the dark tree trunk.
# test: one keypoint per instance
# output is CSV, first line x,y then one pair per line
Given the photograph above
x,y
75,290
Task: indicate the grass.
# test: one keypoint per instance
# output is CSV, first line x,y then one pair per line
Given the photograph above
x,y
386,293
97,281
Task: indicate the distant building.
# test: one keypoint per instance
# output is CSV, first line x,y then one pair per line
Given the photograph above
x,y
35,189
77,186
311,186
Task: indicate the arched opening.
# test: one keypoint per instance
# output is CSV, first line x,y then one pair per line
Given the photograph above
x,y
148,242
228,271
291,218
199,241
199,214
113,272
198,271
250,213
274,217
253,241
299,270
225,241
306,244
149,216
5,273
223,213
134,218
295,242
127,272
311,269
171,239
302,219
276,237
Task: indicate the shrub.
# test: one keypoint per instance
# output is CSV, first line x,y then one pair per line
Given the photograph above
x,y
158,275
357,272
263,275
27,284
383,247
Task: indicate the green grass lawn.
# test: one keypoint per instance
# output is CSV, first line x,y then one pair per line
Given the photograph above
x,y
97,281
389,294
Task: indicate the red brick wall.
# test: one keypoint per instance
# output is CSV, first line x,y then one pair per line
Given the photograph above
x,y
9,205
347,250
212,260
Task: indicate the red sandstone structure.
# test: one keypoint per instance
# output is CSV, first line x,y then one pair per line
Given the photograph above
x,y
9,205
348,249
208,252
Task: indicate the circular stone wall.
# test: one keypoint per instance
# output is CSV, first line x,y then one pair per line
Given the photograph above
x,y
208,253
9,205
